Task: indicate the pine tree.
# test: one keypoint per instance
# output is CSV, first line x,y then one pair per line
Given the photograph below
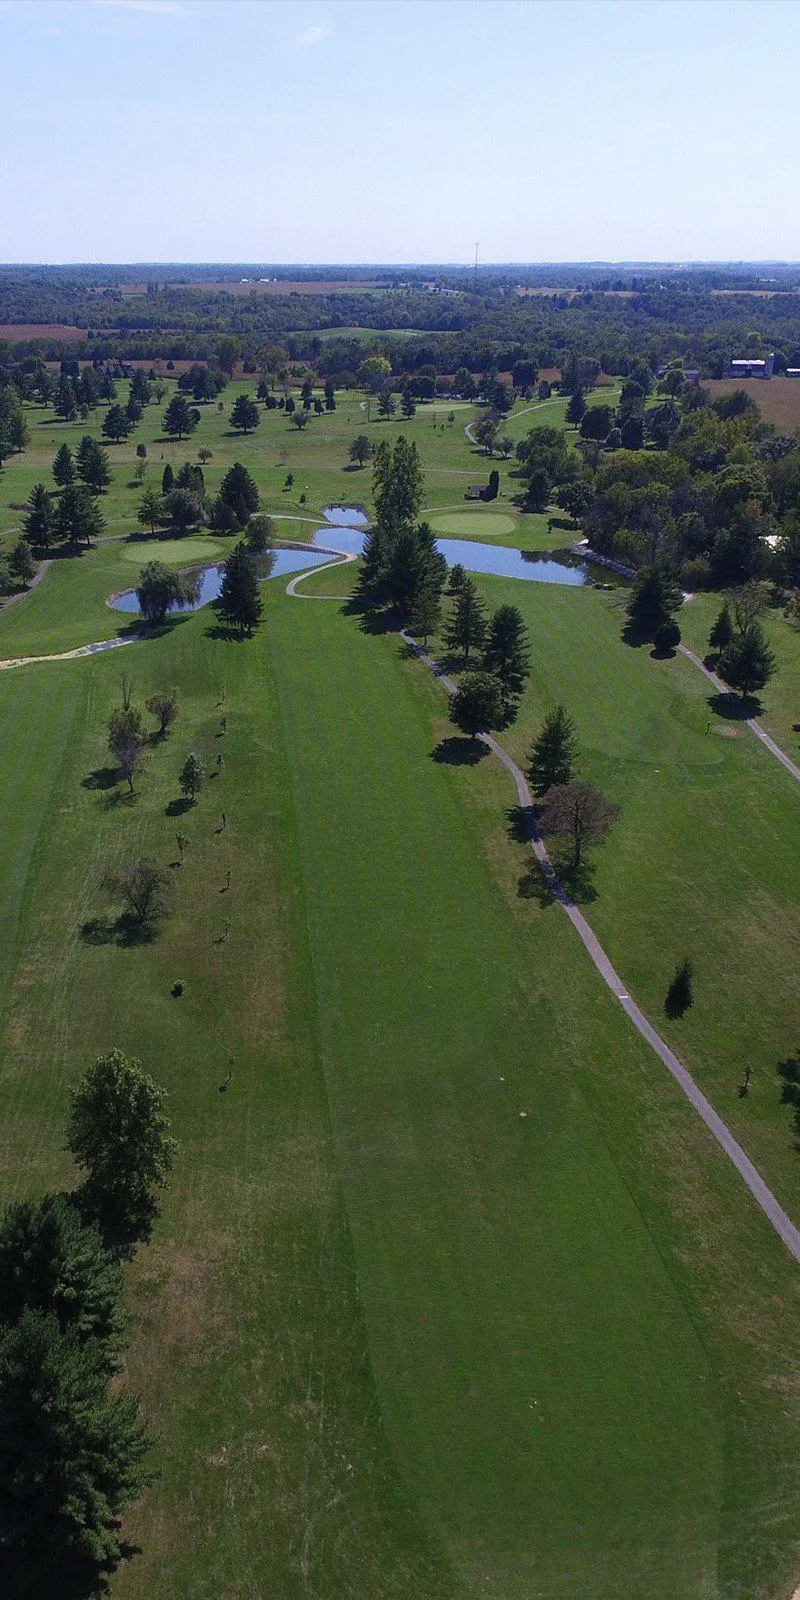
x,y
167,479
240,601
71,1458
552,759
38,519
92,463
54,1262
245,414
63,466
467,629
426,612
22,563
507,650
747,662
722,631
179,418
116,425
398,484
576,407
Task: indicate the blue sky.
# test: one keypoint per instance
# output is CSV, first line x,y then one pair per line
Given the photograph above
x,y
399,130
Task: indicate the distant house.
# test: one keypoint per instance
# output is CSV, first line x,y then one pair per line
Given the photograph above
x,y
753,369
793,372
689,374
476,491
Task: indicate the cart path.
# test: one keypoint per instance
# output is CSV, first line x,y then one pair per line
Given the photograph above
x,y
762,1195
723,688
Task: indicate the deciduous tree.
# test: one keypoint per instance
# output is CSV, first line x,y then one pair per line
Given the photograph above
x,y
477,705
118,1132
578,812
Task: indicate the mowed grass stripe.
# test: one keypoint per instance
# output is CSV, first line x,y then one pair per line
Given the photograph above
x,y
542,1386
249,1347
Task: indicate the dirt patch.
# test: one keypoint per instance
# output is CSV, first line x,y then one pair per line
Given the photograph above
x,y
176,1290
728,733
17,332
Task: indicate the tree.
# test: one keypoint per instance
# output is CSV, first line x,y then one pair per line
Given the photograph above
x,y
115,424
426,612
477,705
330,397
245,414
77,515
578,812
53,1262
63,466
299,418
185,509
119,1134
408,404
722,631
505,444
179,418
163,705
22,564
653,598
667,637
260,533
167,479
485,433
239,491
507,651
597,422
145,891
360,449
150,510
538,490
71,1458
192,776
227,351
552,758
38,519
398,484
680,994
140,388
493,485
467,628
161,589
747,662
65,400
239,601
373,372
92,464
457,578
387,404
126,742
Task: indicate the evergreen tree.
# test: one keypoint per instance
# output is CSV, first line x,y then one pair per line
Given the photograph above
x,y
192,776
92,464
477,705
63,466
653,598
330,398
467,628
398,484
140,388
412,564
245,414
71,1458
22,563
507,651
179,418
119,1134
65,400
77,515
426,611
167,479
576,407
239,601
747,662
722,631
239,491
52,1261
115,424
38,519
552,759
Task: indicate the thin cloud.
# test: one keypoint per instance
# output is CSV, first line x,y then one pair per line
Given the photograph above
x,y
158,8
311,36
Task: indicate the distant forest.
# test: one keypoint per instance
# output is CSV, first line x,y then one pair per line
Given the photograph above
x,y
448,317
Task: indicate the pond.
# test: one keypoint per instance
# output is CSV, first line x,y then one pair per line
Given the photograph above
x,y
535,565
285,563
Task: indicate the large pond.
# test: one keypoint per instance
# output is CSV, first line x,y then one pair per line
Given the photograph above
x,y
534,565
285,563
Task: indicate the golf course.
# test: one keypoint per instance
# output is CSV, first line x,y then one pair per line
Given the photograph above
x,y
453,1294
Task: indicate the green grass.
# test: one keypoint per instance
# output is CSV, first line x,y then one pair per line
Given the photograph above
x,y
780,699
396,1339
473,524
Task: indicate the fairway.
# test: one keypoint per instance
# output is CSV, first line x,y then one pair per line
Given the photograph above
x,y
475,524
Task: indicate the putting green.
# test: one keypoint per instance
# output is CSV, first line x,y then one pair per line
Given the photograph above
x,y
171,551
487,524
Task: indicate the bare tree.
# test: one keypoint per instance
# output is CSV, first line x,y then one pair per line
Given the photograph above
x,y
164,706
143,889
576,811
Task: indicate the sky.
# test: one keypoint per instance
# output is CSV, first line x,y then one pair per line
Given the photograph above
x,y
399,131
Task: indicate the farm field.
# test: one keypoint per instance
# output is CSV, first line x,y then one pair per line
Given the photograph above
x,y
453,1295
778,399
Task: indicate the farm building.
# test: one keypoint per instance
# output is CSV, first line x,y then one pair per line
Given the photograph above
x,y
752,369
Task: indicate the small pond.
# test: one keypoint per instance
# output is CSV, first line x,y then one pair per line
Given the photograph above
x,y
286,562
535,565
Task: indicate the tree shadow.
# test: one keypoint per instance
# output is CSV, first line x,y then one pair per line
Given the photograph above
x,y
178,806
458,751
124,931
224,630
636,633
662,655
563,881
102,778
118,797
735,707
789,1073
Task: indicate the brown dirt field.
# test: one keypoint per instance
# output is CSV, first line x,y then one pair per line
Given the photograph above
x,y
17,332
778,399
